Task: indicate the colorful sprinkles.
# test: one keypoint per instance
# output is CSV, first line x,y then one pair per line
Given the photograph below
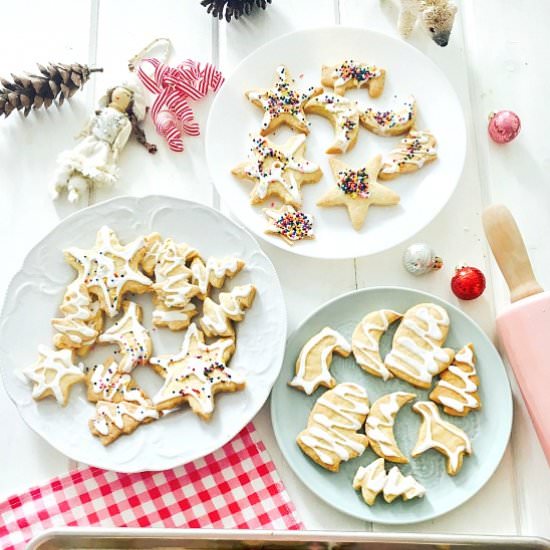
x,y
350,70
354,183
294,225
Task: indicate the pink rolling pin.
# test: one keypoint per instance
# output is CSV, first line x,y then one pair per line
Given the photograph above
x,y
523,329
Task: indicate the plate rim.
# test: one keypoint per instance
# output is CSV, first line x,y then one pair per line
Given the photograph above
x,y
297,250
122,199
443,510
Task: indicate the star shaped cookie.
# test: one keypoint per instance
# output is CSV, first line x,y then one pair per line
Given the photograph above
x,y
110,269
357,190
278,170
282,103
196,374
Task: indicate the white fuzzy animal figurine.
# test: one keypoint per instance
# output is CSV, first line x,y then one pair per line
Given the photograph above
x,y
435,16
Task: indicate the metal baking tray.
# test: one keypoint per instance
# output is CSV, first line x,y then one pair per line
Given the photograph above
x,y
160,539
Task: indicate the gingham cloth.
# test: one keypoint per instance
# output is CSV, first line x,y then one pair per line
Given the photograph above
x,y
236,487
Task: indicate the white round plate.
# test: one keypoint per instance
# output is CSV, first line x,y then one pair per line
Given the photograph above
x,y
35,293
423,194
488,429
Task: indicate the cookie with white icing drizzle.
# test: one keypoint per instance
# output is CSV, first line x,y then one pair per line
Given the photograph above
x,y
444,437
458,386
415,150
398,485
283,103
53,374
109,270
331,435
279,170
394,121
213,273
156,247
131,336
217,318
313,363
351,74
174,318
290,224
380,423
416,355
342,113
365,341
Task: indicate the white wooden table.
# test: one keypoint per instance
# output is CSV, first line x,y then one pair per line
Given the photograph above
x,y
497,58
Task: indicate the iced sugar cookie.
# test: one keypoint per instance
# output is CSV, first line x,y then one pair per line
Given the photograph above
x,y
290,224
365,341
53,374
283,103
174,318
342,113
331,434
351,74
214,272
380,423
457,388
278,170
398,485
370,480
156,246
444,437
416,355
396,120
313,364
357,190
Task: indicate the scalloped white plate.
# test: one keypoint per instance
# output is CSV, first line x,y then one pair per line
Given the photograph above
x,y
34,295
423,194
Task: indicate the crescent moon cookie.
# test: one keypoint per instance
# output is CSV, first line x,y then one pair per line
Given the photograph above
x,y
444,437
282,103
390,122
417,355
380,423
350,74
413,152
109,270
331,434
357,190
53,374
278,170
82,320
365,341
342,113
457,388
196,374
217,319
213,273
290,224
313,364
131,336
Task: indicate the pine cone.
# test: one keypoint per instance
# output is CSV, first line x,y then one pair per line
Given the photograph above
x,y
233,8
32,91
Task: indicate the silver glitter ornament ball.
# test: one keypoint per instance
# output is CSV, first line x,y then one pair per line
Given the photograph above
x,y
419,259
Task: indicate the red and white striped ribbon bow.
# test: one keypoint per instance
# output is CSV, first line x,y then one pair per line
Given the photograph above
x,y
174,87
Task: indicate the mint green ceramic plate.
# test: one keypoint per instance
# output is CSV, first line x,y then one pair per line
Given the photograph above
x,y
489,428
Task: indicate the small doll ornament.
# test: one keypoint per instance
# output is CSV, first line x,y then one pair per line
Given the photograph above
x,y
94,159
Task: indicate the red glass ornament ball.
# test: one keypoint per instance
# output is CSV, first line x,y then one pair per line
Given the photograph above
x,y
504,126
468,283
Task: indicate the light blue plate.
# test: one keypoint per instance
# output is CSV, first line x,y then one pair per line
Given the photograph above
x,y
489,428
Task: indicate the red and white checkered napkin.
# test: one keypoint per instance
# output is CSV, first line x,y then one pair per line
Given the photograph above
x,y
236,487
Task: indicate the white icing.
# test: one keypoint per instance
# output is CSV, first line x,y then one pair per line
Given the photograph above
x,y
387,119
399,485
116,412
340,80
215,268
412,149
108,381
183,314
371,477
331,341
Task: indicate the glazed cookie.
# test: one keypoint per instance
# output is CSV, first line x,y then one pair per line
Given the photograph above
x,y
290,224
153,246
370,480
380,424
279,170
342,113
365,341
282,103
53,374
416,355
213,273
175,318
131,336
398,485
357,190
112,420
331,434
82,320
412,153
313,364
350,74
457,388
394,121
196,374
444,437
217,319
109,269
